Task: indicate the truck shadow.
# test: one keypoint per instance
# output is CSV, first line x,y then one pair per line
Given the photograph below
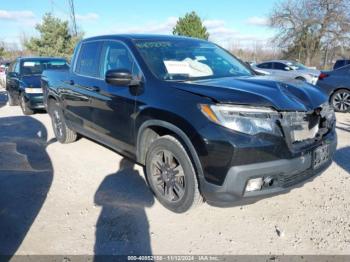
x,y
3,98
122,227
26,175
342,157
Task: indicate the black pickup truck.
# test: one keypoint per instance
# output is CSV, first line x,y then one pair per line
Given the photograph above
x,y
201,122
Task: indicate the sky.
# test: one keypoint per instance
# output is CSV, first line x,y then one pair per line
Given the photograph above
x,y
229,22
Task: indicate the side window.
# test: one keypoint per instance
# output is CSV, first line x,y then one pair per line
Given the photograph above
x,y
279,66
89,59
265,65
116,56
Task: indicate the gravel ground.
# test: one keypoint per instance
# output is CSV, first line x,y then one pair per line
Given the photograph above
x,y
83,198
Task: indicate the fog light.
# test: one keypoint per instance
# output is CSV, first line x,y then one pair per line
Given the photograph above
x,y
254,184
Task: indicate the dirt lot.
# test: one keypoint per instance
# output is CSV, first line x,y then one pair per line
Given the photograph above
x,y
83,198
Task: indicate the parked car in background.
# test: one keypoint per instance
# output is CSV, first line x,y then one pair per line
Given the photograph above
x,y
3,69
2,76
289,70
336,84
340,63
199,120
23,81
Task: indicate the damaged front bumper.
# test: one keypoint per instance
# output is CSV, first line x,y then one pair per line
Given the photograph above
x,y
280,164
283,175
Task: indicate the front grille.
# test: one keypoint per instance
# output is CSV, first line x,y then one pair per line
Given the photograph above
x,y
304,128
290,180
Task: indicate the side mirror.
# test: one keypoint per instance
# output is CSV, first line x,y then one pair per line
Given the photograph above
x,y
118,77
287,68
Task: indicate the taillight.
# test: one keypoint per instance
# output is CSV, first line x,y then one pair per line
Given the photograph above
x,y
322,76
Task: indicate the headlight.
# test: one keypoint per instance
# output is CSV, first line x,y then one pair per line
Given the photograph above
x,y
248,120
33,90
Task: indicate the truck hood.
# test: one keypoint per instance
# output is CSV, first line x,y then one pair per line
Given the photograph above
x,y
31,80
269,91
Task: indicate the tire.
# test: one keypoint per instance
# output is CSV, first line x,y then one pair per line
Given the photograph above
x,y
340,100
63,133
171,175
25,109
11,100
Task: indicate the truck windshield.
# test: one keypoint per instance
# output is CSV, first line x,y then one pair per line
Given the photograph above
x,y
188,59
36,67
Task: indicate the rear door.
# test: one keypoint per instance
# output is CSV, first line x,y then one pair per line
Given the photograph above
x,y
81,85
113,107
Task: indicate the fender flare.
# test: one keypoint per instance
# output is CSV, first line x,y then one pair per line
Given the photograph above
x,y
185,139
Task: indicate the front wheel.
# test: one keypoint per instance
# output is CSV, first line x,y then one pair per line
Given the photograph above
x,y
171,175
340,100
62,132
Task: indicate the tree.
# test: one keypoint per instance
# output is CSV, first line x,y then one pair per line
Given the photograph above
x,y
55,38
2,52
305,27
191,25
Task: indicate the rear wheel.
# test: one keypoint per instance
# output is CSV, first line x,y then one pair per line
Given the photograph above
x,y
25,108
340,100
171,175
62,132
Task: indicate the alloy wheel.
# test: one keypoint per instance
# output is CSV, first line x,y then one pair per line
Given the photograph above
x,y
168,176
341,101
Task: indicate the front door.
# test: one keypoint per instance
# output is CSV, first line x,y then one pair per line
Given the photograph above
x,y
114,106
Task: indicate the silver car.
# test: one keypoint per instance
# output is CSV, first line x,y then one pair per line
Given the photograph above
x,y
289,69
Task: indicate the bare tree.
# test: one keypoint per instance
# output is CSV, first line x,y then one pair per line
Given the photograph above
x,y
305,27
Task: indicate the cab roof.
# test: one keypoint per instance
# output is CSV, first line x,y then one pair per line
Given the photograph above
x,y
149,37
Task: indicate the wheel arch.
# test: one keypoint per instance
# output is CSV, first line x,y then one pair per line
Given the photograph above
x,y
152,129
337,89
50,96
300,78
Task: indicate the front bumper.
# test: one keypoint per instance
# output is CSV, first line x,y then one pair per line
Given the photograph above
x,y
34,101
286,174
